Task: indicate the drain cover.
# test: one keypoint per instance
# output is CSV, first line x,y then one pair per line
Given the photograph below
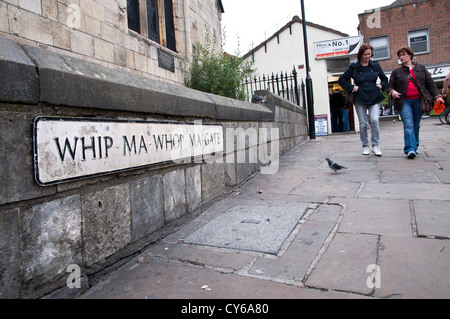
x,y
250,227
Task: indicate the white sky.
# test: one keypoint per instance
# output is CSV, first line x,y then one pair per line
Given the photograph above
x,y
256,20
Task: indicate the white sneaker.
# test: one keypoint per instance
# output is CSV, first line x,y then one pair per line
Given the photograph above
x,y
377,151
366,150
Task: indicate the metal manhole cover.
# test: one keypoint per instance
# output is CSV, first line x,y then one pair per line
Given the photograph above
x,y
250,227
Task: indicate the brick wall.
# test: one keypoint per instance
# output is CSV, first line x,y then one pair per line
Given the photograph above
x,y
397,21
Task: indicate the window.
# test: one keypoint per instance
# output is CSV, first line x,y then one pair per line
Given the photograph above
x,y
153,19
380,47
335,66
419,41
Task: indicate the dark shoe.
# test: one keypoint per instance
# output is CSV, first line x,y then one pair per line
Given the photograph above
x,y
411,154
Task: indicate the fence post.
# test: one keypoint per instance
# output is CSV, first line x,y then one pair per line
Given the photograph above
x,y
303,95
294,73
273,83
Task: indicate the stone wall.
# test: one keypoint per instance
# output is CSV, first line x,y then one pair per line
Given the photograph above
x,y
94,223
97,30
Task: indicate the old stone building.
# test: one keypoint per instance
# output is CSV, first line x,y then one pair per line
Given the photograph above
x,y
148,37
99,82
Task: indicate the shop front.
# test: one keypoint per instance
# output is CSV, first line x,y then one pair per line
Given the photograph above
x,y
338,54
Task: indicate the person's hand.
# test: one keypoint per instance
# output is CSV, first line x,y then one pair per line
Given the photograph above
x,y
440,101
380,86
355,88
395,94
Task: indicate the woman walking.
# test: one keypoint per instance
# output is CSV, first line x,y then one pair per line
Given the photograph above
x,y
368,96
407,97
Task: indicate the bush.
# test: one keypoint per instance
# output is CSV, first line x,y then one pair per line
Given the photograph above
x,y
217,72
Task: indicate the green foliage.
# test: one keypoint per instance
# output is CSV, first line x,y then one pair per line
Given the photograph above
x,y
218,73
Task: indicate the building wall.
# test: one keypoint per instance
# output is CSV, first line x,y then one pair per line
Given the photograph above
x,y
396,21
97,222
289,52
97,30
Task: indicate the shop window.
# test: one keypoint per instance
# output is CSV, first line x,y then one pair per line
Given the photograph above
x,y
335,66
154,20
419,41
380,47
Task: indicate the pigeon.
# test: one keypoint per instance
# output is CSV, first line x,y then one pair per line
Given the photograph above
x,y
258,99
334,166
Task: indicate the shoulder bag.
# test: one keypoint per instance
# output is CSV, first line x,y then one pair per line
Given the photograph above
x,y
425,104
350,96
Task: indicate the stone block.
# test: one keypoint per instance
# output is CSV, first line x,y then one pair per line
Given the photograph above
x,y
104,50
50,239
81,43
16,169
9,254
231,109
30,26
175,204
31,5
213,177
106,222
146,206
193,188
4,26
18,82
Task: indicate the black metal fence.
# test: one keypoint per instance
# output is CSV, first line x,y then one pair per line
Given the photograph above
x,y
283,84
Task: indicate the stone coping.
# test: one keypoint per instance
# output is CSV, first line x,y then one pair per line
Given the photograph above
x,y
33,75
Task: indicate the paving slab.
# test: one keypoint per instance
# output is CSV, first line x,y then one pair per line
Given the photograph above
x,y
165,279
225,259
298,258
343,266
432,218
411,176
330,188
405,191
376,216
405,164
414,268
261,228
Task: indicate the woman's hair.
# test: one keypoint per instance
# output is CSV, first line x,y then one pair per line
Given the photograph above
x,y
363,48
407,50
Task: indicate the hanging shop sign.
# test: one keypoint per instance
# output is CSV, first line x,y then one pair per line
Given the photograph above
x,y
66,149
338,47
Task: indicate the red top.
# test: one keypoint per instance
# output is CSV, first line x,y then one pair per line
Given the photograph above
x,y
411,90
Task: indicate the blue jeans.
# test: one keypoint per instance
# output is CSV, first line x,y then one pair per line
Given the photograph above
x,y
411,117
374,113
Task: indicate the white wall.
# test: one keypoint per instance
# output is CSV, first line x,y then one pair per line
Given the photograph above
x,y
289,52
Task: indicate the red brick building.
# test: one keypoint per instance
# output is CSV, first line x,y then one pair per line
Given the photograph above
x,y
424,25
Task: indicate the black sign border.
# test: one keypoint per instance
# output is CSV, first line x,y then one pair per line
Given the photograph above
x,y
39,118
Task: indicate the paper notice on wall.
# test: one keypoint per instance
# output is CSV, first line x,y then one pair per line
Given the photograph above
x,y
321,125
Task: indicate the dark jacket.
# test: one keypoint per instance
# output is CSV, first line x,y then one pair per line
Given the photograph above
x,y
399,82
366,79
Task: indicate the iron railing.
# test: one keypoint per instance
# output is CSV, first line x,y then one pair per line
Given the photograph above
x,y
283,84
